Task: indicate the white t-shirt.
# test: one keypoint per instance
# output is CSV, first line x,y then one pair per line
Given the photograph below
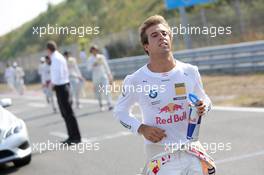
x,y
59,69
163,100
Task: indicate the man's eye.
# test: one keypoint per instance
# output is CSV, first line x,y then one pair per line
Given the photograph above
x,y
164,33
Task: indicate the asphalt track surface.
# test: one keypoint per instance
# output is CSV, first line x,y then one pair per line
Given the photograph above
x,y
233,136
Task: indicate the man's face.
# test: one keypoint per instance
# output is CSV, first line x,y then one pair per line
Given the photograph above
x,y
49,52
94,51
159,40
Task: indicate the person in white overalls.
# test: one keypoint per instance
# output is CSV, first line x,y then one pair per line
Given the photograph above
x,y
101,76
76,79
19,79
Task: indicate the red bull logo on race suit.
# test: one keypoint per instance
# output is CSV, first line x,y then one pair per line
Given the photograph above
x,y
172,116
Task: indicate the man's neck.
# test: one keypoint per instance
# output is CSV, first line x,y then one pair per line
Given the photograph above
x,y
52,53
161,63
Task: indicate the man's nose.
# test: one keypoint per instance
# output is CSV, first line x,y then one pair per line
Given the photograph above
x,y
161,36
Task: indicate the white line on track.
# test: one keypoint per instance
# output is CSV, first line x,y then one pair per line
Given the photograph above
x,y
238,109
241,157
37,105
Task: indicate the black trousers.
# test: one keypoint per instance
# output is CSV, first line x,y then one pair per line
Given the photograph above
x,y
65,102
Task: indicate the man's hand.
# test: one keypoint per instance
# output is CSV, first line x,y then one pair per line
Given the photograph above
x,y
201,108
110,78
52,86
151,133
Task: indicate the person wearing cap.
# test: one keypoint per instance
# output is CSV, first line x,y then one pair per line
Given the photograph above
x,y
76,78
19,79
60,82
101,76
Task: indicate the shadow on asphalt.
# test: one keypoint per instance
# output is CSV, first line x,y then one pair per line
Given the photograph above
x,y
7,168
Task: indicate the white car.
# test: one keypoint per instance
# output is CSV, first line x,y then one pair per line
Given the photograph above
x,y
14,141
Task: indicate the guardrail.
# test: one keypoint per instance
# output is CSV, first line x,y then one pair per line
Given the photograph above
x,y
232,58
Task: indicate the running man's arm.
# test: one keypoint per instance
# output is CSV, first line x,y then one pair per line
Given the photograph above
x,y
124,103
122,113
199,91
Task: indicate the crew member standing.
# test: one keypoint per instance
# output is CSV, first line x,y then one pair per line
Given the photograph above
x,y
60,81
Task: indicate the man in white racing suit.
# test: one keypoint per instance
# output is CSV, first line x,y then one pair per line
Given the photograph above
x,y
19,79
76,79
161,88
101,76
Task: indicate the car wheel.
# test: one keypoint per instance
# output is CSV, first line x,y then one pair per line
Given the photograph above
x,y
24,161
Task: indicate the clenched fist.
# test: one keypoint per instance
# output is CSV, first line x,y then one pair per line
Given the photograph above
x,y
151,133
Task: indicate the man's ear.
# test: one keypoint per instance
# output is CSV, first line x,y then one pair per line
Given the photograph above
x,y
146,47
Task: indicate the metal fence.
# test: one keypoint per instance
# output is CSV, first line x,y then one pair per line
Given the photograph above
x,y
245,22
234,58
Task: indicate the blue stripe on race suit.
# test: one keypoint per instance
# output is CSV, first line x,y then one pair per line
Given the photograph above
x,y
211,171
125,125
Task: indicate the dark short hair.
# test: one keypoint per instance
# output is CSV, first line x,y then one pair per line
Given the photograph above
x,y
94,47
47,57
149,22
66,53
52,46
